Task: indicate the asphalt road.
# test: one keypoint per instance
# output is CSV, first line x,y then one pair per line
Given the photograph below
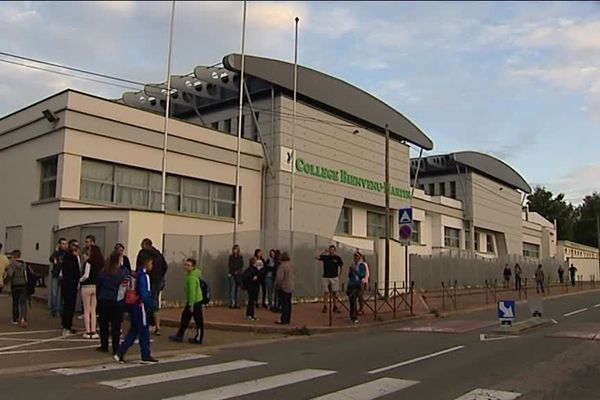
x,y
376,363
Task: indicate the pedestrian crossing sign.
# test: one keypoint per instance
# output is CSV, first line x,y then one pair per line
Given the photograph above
x,y
406,216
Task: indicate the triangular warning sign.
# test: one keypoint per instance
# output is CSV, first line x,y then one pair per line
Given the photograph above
x,y
405,218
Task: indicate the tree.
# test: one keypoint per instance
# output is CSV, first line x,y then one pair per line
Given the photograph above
x,y
553,208
586,228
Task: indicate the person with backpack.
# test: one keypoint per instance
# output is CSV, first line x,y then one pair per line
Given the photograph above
x,y
157,281
19,275
109,283
284,284
139,297
194,301
71,271
235,265
251,282
356,274
93,265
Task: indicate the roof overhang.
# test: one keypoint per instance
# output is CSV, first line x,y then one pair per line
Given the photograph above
x,y
333,93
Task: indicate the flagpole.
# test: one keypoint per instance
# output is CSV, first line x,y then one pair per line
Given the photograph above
x,y
239,132
167,111
294,127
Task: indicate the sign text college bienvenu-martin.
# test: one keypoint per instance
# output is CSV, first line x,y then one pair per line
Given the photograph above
x,y
343,176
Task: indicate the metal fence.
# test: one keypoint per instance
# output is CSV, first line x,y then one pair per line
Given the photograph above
x,y
212,252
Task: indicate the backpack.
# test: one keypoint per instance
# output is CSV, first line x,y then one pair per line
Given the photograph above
x,y
205,288
132,296
31,279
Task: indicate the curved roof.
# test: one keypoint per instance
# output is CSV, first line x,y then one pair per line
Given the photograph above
x,y
493,167
332,92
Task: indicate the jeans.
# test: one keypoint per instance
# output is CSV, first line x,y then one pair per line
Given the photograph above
x,y
252,297
19,304
269,290
234,291
111,314
539,286
517,282
361,296
186,316
353,297
69,296
55,300
572,280
286,306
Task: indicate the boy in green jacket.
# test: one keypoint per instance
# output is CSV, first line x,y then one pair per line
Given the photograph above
x,y
193,306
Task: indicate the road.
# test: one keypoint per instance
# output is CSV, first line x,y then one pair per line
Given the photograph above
x,y
373,363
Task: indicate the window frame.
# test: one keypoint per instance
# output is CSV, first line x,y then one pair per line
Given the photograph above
x,y
378,226
489,245
345,217
416,229
50,180
449,240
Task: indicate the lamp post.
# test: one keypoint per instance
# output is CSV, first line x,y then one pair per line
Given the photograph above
x,y
387,213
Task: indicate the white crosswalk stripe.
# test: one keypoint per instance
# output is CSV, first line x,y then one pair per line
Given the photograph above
x,y
255,386
487,394
115,366
370,390
176,375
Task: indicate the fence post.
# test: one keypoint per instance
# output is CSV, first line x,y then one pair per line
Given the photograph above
x,y
443,296
495,290
376,295
487,300
330,309
548,286
395,288
455,298
526,288
412,288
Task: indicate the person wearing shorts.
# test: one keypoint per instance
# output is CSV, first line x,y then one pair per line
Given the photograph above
x,y
332,265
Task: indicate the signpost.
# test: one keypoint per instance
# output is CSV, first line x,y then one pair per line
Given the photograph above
x,y
506,312
405,219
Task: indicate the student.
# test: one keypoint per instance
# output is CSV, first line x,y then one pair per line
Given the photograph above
x,y
284,284
507,274
356,274
110,298
276,307
93,265
572,271
259,255
16,276
251,282
269,279
235,265
518,272
539,279
56,259
4,263
365,285
157,281
193,306
124,262
70,285
332,264
561,274
139,312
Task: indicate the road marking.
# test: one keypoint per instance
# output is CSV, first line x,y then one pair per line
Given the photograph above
x,y
16,346
484,338
370,390
179,374
48,350
28,332
485,394
575,312
414,360
597,306
255,386
114,366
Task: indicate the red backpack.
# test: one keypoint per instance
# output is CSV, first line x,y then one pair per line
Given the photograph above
x,y
132,296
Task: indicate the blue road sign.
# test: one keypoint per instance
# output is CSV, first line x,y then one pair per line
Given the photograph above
x,y
405,216
506,310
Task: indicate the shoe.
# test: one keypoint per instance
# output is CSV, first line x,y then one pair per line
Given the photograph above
x,y
250,318
119,358
149,360
324,310
282,323
94,336
102,349
15,323
86,335
355,322
65,333
176,338
194,341
23,323
157,332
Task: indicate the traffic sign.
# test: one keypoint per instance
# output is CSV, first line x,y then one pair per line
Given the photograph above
x,y
406,216
405,232
506,310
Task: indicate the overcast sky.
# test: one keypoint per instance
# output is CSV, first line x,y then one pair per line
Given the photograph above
x,y
517,80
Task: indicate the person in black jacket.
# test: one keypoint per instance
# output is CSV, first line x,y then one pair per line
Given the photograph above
x,y
157,280
110,298
70,285
251,281
124,263
234,268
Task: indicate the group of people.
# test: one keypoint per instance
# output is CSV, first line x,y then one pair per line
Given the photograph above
x,y
274,276
539,276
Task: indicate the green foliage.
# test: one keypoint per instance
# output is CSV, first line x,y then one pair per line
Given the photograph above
x,y
553,208
586,228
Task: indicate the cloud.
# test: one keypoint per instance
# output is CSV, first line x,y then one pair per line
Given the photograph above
x,y
578,182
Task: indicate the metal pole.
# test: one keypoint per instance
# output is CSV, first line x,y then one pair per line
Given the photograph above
x,y
239,132
412,193
387,212
406,276
294,127
167,111
598,234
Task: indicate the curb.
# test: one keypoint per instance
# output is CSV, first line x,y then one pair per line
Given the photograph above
x,y
524,326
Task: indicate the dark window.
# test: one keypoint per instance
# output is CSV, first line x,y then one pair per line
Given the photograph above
x,y
490,244
451,237
416,232
431,190
442,188
375,224
215,125
227,125
49,169
453,189
344,221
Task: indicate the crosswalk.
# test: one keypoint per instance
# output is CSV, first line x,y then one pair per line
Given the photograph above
x,y
386,386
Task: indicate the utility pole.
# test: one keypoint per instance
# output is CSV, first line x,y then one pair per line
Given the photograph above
x,y
598,240
387,212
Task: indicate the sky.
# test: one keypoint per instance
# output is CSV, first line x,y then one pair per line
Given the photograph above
x,y
517,80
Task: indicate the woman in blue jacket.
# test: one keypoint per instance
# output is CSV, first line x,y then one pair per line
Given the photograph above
x,y
110,301
357,273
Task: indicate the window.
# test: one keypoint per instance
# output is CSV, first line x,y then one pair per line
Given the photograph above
x,y
375,224
227,125
343,225
214,125
476,242
451,237
49,168
141,188
453,189
416,232
490,244
431,190
422,187
255,124
531,250
442,188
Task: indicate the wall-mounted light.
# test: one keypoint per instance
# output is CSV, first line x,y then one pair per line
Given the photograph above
x,y
355,132
50,116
